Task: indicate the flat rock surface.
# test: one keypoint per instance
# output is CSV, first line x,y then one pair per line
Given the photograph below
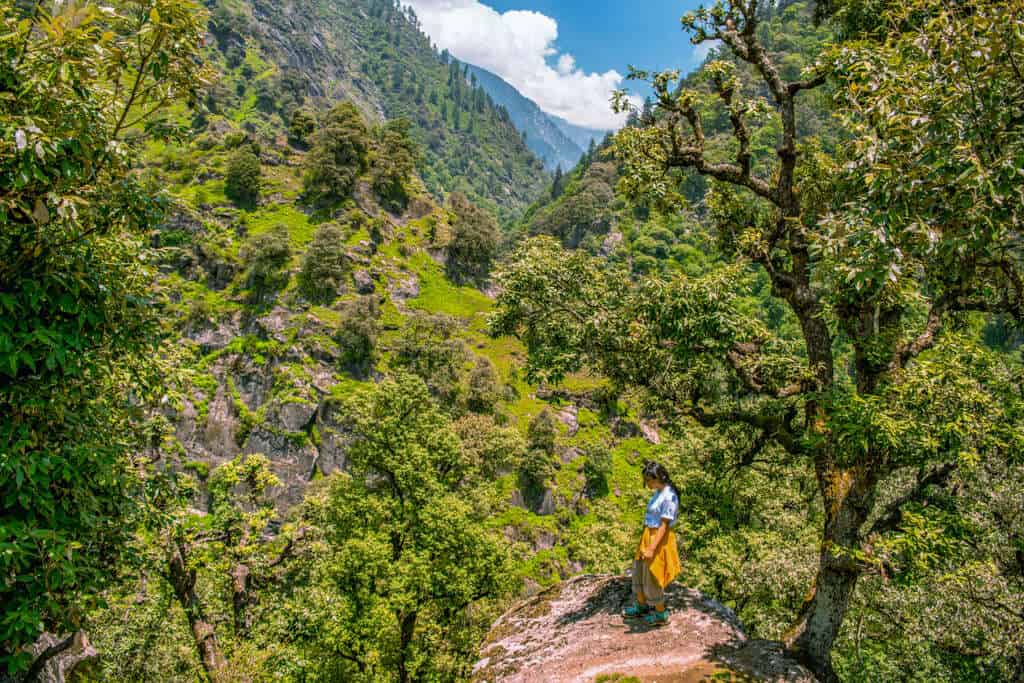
x,y
574,633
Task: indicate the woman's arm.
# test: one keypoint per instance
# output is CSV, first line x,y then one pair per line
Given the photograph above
x,y
658,535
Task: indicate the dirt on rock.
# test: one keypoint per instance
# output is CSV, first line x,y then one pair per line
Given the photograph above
x,y
574,633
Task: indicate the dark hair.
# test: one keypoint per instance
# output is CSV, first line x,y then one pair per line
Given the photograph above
x,y
655,470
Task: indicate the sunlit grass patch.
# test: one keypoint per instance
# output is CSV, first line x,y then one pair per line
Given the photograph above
x,y
440,295
300,230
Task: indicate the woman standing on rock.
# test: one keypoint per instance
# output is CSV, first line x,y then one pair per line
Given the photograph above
x,y
657,558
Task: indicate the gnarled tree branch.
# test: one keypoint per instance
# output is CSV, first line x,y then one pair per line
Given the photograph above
x,y
892,516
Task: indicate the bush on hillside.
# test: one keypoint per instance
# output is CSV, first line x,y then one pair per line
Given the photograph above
x,y
338,155
484,391
394,161
428,348
324,266
542,431
474,241
597,465
585,208
242,184
492,449
267,256
301,126
357,336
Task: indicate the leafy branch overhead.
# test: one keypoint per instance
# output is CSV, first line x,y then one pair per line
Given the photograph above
x,y
81,90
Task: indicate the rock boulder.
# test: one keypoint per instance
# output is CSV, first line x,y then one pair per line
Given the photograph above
x,y
573,633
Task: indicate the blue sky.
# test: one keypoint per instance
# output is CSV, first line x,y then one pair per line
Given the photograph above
x,y
610,34
567,57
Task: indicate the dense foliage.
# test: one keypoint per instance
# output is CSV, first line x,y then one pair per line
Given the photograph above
x,y
430,349
339,154
267,255
325,266
75,291
405,544
242,182
394,161
357,335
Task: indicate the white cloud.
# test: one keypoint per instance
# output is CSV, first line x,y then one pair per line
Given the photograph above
x,y
566,65
519,46
701,52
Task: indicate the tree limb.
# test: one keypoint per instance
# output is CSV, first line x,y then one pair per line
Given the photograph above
x,y
923,341
774,427
892,517
744,350
692,155
46,655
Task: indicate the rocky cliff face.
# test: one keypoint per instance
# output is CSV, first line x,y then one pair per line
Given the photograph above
x,y
573,633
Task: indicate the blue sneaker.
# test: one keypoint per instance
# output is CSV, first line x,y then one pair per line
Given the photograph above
x,y
636,610
656,618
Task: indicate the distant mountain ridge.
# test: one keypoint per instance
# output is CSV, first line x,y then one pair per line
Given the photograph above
x,y
579,134
546,135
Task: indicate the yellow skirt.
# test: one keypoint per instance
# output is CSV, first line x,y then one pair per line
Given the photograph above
x,y
665,564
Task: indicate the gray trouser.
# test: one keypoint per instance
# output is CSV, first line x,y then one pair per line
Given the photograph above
x,y
645,584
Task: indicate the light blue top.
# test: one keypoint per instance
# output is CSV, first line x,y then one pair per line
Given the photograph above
x,y
663,504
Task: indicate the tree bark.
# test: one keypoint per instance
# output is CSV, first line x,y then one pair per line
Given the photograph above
x,y
848,495
45,656
241,598
408,627
183,581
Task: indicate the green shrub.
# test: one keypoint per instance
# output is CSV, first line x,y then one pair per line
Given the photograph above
x,y
585,208
474,241
428,348
242,184
535,473
338,155
394,161
597,465
267,256
200,468
542,431
484,390
325,265
301,126
234,139
357,335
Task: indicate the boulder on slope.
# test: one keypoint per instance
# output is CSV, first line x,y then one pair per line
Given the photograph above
x,y
573,633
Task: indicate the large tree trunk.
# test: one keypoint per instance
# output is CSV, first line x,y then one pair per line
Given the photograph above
x,y
183,580
408,628
848,495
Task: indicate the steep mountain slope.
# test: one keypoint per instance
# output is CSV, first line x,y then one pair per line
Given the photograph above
x,y
276,58
543,135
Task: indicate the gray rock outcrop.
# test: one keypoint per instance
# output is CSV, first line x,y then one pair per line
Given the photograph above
x,y
573,633
363,282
